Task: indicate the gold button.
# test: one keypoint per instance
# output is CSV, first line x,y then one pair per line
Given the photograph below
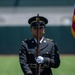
x,y
46,52
29,52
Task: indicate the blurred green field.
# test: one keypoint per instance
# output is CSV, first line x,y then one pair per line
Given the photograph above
x,y
9,65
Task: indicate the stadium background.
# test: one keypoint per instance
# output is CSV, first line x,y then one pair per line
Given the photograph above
x,y
14,15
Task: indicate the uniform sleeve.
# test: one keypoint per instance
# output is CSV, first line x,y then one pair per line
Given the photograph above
x,y
23,60
54,60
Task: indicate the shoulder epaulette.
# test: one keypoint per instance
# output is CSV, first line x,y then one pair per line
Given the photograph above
x,y
49,39
26,40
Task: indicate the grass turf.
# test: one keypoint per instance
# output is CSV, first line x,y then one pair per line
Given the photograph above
x,y
9,65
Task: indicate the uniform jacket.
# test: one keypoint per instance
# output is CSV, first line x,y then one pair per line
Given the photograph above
x,y
48,50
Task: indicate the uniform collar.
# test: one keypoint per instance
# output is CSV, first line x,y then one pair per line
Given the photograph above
x,y
40,40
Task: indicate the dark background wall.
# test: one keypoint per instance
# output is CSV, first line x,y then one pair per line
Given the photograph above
x,y
11,37
5,3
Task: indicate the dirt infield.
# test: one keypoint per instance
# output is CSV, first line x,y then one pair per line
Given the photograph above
x,y
8,55
67,54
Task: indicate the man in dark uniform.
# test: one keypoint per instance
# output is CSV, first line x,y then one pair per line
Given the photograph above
x,y
49,55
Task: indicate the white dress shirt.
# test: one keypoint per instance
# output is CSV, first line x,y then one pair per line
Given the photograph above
x,y
40,40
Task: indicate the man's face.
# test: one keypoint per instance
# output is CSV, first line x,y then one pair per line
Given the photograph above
x,y
40,30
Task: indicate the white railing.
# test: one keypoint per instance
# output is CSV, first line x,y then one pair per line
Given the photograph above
x,y
19,16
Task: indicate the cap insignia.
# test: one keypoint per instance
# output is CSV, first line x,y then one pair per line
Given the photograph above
x,y
37,19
